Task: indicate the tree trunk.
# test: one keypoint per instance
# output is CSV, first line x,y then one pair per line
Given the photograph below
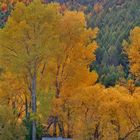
x,y
54,127
61,128
69,129
33,94
97,133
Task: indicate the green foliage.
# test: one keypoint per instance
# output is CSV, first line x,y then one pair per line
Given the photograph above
x,y
3,17
10,128
115,21
44,105
28,124
111,75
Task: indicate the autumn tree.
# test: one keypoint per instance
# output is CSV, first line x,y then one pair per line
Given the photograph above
x,y
25,43
75,51
86,103
69,68
101,113
133,51
120,113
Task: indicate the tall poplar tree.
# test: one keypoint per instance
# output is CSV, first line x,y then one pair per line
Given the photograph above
x,y
25,43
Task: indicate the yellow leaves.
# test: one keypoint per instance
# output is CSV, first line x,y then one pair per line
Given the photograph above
x,y
89,95
90,50
28,35
95,32
133,51
73,17
92,47
12,128
71,28
17,14
14,93
134,34
111,107
72,54
11,85
122,104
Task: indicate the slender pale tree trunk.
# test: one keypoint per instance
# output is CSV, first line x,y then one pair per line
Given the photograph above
x,y
33,90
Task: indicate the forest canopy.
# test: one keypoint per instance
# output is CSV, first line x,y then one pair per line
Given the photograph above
x,y
69,69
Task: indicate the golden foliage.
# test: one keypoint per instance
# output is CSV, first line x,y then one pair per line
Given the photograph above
x,y
133,51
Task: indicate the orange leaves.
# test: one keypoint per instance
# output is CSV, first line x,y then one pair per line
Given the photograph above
x,y
90,51
93,105
73,55
4,4
4,7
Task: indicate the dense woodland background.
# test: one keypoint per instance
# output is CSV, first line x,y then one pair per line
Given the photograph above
x,y
70,68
